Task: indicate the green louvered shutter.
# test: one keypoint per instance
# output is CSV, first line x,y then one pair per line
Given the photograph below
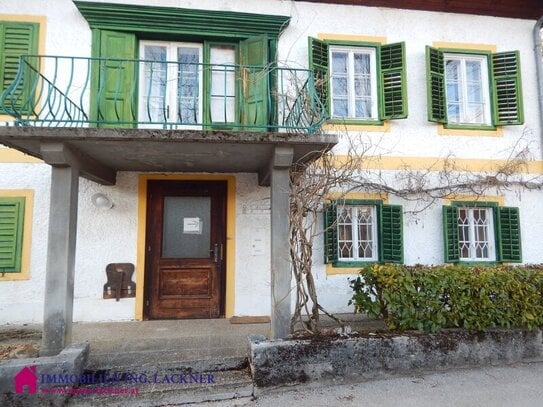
x,y
114,84
330,233
391,234
450,234
435,77
507,89
17,39
509,235
11,234
318,62
393,82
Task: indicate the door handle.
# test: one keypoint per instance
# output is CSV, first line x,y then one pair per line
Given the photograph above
x,y
215,253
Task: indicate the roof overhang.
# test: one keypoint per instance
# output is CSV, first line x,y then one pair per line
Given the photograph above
x,y
527,9
104,152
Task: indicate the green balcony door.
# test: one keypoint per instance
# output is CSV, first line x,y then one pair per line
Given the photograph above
x,y
114,90
255,82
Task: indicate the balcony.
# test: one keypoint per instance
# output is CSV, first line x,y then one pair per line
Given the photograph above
x,y
56,91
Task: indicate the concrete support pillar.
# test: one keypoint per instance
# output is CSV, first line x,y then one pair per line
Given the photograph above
x,y
281,275
59,279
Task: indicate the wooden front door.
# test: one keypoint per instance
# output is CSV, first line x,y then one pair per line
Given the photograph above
x,y
186,236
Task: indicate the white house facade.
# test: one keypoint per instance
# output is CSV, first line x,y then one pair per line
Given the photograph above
x,y
179,122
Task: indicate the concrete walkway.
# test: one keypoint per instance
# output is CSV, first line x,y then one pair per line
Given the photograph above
x,y
117,345
519,385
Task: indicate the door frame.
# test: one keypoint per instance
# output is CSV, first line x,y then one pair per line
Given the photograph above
x,y
230,251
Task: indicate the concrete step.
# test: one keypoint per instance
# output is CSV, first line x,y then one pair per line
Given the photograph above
x,y
197,360
164,387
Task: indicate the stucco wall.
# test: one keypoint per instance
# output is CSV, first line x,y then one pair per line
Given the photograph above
x,y
110,235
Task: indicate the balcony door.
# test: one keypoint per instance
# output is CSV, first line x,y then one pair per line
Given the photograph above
x,y
171,83
176,86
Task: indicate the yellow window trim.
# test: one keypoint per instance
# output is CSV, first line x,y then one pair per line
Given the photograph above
x,y
26,18
230,233
500,200
357,195
350,37
334,271
465,45
28,194
442,131
335,127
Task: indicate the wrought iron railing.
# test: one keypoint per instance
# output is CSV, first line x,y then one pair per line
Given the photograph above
x,y
62,91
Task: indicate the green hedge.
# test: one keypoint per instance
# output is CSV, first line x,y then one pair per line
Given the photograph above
x,y
430,298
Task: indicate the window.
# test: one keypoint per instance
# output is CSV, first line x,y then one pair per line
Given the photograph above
x,y
16,39
353,83
359,231
12,212
474,89
468,99
360,82
481,231
476,234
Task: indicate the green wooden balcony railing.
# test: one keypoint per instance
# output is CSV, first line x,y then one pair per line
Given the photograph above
x,y
60,91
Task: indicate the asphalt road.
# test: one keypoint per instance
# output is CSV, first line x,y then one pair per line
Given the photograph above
x,y
520,384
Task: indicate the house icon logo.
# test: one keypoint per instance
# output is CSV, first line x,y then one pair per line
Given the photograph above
x,y
26,378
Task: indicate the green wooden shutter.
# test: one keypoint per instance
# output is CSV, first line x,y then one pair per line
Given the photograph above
x,y
18,39
450,234
393,82
330,233
507,89
318,63
508,235
255,82
391,234
435,77
11,234
113,96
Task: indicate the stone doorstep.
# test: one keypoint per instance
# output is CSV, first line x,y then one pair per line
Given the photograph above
x,y
354,358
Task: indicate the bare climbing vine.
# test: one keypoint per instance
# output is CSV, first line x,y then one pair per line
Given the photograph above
x,y
336,175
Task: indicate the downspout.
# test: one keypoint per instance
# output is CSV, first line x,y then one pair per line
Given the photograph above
x,y
538,49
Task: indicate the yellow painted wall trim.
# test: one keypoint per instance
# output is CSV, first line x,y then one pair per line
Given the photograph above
x,y
500,200
336,127
28,194
10,155
351,37
230,233
358,195
442,131
437,164
465,45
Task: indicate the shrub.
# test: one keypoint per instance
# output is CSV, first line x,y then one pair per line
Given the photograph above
x,y
430,298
